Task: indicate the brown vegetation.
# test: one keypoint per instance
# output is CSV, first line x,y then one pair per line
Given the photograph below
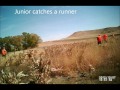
x,y
65,62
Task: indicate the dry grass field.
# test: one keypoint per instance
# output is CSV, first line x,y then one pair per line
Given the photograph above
x,y
72,61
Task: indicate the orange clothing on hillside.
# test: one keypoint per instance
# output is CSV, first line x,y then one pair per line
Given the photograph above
x,y
4,52
99,38
105,37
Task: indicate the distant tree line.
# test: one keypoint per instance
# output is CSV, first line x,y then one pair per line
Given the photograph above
x,y
20,42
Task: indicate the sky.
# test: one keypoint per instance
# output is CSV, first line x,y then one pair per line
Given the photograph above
x,y
43,21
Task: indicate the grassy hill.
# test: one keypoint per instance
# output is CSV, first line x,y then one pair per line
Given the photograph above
x,y
94,33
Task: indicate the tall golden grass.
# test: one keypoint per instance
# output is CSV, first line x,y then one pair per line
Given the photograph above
x,y
74,59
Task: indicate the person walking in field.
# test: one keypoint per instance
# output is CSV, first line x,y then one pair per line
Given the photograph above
x,y
105,37
4,52
99,39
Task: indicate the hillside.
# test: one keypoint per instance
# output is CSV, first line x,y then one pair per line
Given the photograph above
x,y
94,33
83,35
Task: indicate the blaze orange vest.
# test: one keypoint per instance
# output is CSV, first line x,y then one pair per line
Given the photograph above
x,y
99,38
4,52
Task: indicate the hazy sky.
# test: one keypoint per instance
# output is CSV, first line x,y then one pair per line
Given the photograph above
x,y
56,26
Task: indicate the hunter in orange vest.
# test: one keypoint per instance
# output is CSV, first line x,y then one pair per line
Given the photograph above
x,y
4,52
105,37
99,39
